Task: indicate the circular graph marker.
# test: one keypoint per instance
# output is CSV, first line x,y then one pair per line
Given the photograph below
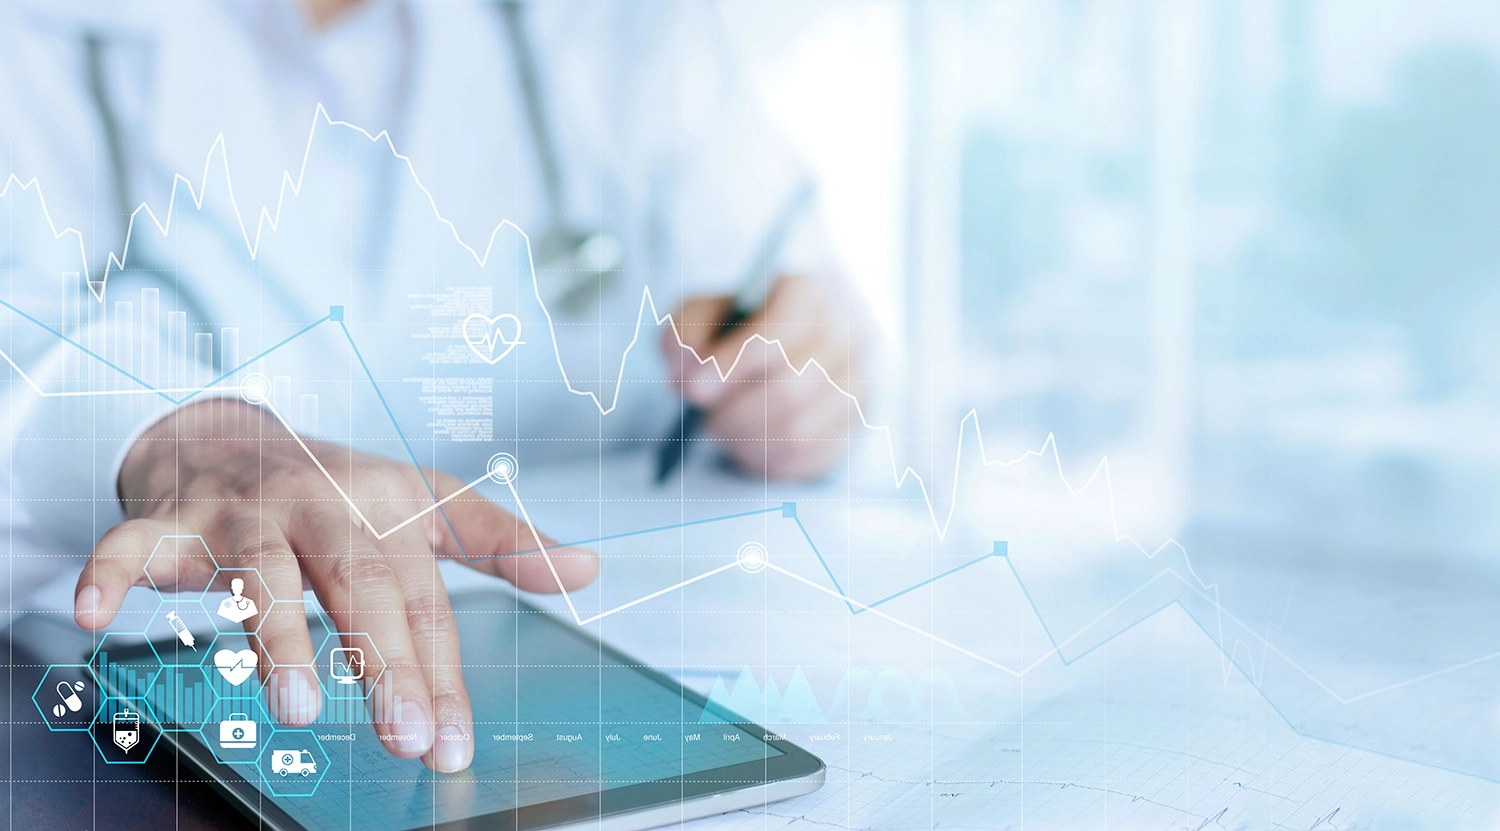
x,y
503,468
256,388
752,557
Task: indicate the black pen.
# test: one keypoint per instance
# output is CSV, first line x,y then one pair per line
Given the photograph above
x,y
674,446
751,296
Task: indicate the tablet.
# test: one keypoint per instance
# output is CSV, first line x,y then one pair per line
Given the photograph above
x,y
568,733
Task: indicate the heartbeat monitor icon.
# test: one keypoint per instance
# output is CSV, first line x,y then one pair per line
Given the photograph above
x,y
485,334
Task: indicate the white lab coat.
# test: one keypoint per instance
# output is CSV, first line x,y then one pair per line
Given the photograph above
x,y
657,143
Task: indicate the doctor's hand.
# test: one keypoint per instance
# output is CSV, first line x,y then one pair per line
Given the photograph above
x,y
771,420
232,474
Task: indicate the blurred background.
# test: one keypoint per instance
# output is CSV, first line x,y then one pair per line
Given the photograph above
x,y
1245,248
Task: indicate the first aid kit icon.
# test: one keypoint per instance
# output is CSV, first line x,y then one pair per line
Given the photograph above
x,y
237,731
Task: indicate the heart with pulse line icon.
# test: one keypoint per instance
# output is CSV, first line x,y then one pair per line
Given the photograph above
x,y
235,666
486,334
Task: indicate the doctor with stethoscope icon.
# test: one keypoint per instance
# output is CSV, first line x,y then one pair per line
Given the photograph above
x,y
237,608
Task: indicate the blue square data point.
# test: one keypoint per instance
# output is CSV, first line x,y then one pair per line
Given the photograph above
x,y
788,509
335,312
1001,549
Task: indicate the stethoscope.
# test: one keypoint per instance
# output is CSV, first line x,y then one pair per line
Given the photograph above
x,y
574,266
578,265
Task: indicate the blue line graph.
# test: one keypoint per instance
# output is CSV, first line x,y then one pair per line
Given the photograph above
x,y
338,317
826,570
223,376
1001,551
788,510
643,531
1000,548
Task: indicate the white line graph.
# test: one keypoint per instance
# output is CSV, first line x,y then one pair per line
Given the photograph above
x,y
658,593
900,476
353,506
35,387
267,219
901,623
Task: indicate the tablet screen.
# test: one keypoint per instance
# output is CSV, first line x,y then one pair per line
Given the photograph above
x,y
555,716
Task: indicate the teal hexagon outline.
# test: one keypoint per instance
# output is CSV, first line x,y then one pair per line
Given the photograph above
x,y
198,648
325,625
270,778
259,616
146,566
210,738
185,727
317,636
209,664
43,683
324,674
185,598
142,712
94,659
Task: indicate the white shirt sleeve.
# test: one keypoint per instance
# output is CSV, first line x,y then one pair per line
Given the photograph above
x,y
76,390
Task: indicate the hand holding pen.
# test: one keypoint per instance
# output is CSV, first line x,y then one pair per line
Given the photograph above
x,y
766,418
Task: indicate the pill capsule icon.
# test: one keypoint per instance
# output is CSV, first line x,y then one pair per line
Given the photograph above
x,y
69,695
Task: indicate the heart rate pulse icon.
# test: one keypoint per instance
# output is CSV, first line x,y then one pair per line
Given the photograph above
x,y
235,666
485,335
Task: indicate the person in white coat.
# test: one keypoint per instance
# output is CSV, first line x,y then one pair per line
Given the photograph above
x,y
301,200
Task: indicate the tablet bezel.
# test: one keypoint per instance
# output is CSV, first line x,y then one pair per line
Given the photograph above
x,y
792,765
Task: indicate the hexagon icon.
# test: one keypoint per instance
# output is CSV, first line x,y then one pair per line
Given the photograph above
x,y
237,730
122,664
233,665
293,691
297,610
180,562
293,695
350,666
182,698
182,630
240,609
124,730
293,762
67,698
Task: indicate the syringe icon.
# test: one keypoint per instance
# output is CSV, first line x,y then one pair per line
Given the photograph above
x,y
181,629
